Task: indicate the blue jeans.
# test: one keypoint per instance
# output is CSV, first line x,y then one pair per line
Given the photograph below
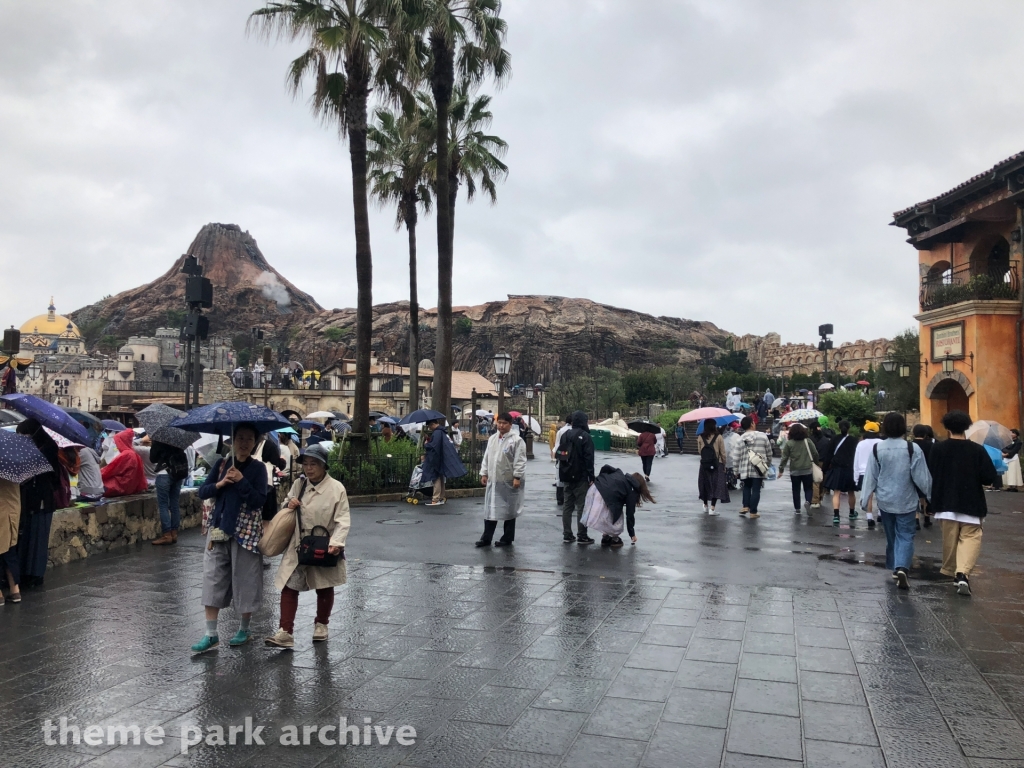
x,y
899,539
167,492
752,492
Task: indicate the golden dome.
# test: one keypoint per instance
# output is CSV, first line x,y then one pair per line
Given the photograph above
x,y
50,324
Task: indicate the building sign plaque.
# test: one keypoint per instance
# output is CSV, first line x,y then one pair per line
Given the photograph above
x,y
947,341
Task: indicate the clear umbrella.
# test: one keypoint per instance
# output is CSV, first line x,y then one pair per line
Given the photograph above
x,y
990,433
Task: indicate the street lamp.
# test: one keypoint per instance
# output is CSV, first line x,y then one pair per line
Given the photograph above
x,y
889,366
904,371
529,420
947,365
502,365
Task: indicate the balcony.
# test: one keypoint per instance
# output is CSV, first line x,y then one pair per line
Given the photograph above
x,y
998,282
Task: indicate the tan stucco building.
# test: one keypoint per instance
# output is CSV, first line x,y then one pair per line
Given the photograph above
x,y
968,243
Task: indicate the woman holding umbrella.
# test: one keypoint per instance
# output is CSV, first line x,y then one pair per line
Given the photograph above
x,y
40,495
711,485
232,565
646,443
440,457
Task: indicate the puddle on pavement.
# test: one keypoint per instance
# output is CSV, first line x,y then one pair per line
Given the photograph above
x,y
923,568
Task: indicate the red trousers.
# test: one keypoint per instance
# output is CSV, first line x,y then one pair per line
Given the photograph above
x,y
290,604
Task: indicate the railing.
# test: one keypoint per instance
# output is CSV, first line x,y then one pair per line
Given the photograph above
x,y
248,381
377,473
965,284
144,386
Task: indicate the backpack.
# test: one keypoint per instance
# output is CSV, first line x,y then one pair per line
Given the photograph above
x,y
910,454
570,457
177,465
708,457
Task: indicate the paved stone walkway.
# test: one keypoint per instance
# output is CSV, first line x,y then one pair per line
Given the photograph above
x,y
506,667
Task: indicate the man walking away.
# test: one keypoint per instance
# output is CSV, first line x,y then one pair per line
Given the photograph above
x,y
680,436
960,470
576,471
897,474
752,457
860,461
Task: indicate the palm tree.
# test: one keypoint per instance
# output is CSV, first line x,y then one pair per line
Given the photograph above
x,y
467,35
397,157
473,155
350,53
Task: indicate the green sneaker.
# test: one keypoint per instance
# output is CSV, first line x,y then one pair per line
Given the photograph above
x,y
241,638
206,644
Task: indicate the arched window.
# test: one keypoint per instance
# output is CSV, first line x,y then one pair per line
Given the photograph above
x,y
940,273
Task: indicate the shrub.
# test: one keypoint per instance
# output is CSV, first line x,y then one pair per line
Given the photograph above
x,y
853,406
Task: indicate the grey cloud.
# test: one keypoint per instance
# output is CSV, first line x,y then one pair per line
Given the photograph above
x,y
730,161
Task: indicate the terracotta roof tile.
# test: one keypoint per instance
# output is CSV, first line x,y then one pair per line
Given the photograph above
x,y
993,170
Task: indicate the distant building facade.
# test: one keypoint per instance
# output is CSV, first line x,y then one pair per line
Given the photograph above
x,y
768,354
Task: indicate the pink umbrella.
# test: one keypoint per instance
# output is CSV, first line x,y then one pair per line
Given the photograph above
x,y
703,413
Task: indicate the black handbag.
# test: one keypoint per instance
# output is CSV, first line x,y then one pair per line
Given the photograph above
x,y
313,548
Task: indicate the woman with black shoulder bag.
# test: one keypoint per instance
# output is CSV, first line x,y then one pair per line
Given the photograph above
x,y
315,557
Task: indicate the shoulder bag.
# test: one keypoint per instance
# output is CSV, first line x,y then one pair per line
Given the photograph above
x,y
313,548
277,531
817,475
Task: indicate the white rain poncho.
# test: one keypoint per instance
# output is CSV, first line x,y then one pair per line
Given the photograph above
x,y
504,460
597,516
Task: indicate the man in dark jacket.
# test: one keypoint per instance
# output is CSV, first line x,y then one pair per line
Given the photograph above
x,y
440,461
575,455
960,471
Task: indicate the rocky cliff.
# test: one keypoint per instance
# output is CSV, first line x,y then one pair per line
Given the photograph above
x,y
548,336
248,291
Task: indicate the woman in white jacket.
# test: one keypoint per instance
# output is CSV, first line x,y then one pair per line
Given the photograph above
x,y
503,471
860,462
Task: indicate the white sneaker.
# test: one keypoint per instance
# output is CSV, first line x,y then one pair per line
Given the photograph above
x,y
705,509
280,639
815,506
713,513
319,632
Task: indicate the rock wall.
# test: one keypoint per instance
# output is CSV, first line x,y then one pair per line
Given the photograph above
x,y
78,533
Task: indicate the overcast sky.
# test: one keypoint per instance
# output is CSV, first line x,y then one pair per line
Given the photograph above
x,y
736,162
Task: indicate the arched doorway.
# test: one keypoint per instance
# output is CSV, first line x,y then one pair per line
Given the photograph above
x,y
948,392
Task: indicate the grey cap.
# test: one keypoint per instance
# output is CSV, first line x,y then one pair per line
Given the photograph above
x,y
316,451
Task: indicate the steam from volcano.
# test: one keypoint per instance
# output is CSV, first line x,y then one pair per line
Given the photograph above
x,y
272,289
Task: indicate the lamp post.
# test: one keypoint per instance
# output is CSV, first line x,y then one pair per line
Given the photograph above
x,y
502,365
529,417
948,366
824,331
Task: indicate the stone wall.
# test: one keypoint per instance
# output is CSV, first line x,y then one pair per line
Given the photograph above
x,y
217,388
83,531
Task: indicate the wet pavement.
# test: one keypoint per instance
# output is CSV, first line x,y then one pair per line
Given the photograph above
x,y
712,642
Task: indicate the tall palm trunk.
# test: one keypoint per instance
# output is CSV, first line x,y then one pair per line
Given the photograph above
x,y
442,79
356,127
414,307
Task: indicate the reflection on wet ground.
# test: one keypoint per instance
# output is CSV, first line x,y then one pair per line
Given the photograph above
x,y
708,643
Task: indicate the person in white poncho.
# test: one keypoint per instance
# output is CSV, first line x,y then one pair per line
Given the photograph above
x,y
503,471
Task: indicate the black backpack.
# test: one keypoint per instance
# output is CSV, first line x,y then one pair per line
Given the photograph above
x,y
176,464
570,456
708,457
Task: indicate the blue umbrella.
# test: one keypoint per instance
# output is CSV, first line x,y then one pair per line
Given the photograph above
x,y
387,420
422,416
49,415
307,424
997,459
721,421
221,418
287,431
114,426
20,459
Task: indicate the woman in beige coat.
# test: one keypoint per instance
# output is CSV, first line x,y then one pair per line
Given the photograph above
x,y
10,516
320,500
